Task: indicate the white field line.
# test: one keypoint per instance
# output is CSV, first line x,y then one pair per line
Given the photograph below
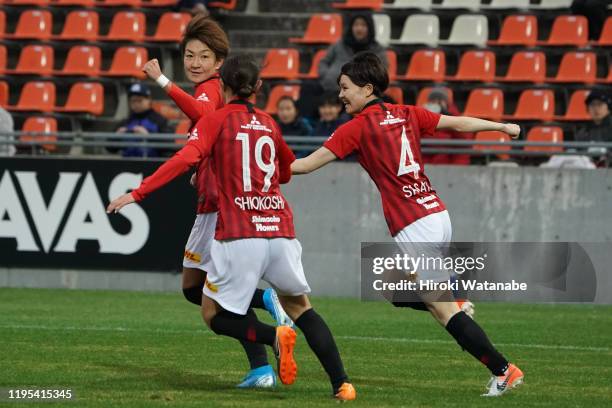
x,y
356,338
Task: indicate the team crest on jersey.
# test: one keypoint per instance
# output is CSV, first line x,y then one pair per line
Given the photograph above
x,y
255,125
203,97
391,120
193,135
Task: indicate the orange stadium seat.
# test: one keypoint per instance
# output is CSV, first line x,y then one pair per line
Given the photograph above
x,y
392,68
36,96
82,3
82,60
281,63
396,93
226,5
159,3
278,92
80,25
493,136
576,108
39,3
577,67
40,124
34,60
359,4
118,3
182,128
605,38
4,93
526,66
128,62
547,134
33,24
87,97
424,94
167,110
534,104
170,27
314,66
127,26
426,65
2,58
518,30
321,29
485,103
476,66
2,23
568,30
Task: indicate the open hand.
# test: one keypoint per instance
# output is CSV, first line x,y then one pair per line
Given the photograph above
x,y
119,203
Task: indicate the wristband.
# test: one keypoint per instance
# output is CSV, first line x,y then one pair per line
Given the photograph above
x,y
162,81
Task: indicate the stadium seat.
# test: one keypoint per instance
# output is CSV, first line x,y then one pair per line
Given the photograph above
x,y
360,4
183,128
281,63
127,26
4,93
424,5
278,92
36,96
605,38
82,60
167,110
34,60
33,24
485,103
568,30
321,29
469,29
382,24
39,3
86,97
506,4
426,65
577,67
118,3
534,104
40,124
2,23
424,94
420,29
396,93
314,66
159,3
546,134
473,5
552,5
225,5
476,66
526,66
2,58
82,3
170,27
493,136
128,62
392,68
518,30
576,108
80,25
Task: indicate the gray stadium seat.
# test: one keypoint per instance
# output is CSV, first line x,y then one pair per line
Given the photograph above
x,y
552,4
468,29
424,5
382,24
459,4
420,29
507,4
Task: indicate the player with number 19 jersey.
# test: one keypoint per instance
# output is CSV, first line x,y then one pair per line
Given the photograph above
x,y
387,139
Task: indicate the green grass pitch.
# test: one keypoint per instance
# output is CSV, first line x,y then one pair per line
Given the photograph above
x,y
126,349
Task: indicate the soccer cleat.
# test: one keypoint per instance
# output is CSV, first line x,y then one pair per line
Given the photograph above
x,y
467,307
346,392
512,378
275,309
260,377
283,350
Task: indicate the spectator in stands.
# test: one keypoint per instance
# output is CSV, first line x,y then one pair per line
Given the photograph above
x,y
439,102
6,126
289,119
599,102
142,121
595,11
330,117
193,6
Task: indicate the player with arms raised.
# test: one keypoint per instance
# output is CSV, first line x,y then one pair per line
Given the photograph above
x,y
386,139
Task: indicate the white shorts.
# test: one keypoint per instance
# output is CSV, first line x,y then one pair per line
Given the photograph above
x,y
197,249
428,237
239,265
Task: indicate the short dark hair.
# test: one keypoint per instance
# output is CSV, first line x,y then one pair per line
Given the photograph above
x,y
366,68
208,31
240,73
287,98
330,98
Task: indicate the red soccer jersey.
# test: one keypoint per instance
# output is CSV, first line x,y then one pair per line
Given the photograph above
x,y
387,142
208,98
250,160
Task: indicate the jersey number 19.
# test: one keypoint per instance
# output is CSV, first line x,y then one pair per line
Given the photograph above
x,y
267,168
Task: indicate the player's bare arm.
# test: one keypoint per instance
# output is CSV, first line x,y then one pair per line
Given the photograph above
x,y
120,202
314,161
469,124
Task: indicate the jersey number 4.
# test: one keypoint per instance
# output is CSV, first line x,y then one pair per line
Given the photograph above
x,y
407,163
267,168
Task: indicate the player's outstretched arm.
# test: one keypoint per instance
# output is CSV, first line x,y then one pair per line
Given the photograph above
x,y
314,161
469,124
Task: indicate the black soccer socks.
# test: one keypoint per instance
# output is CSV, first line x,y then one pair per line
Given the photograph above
x,y
472,338
257,302
243,327
321,341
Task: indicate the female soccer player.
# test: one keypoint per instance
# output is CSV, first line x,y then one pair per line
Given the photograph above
x,y
386,139
204,47
255,236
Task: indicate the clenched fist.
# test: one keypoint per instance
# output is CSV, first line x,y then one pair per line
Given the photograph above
x,y
152,69
512,129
